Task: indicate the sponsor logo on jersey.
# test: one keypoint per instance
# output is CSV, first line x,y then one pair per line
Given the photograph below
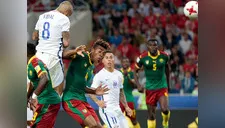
x,y
147,61
161,60
85,65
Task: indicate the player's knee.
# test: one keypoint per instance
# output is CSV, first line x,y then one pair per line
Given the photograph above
x,y
93,125
164,109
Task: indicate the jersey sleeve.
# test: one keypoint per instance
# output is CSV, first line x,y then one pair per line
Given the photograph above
x,y
37,26
40,69
121,80
65,24
138,63
95,82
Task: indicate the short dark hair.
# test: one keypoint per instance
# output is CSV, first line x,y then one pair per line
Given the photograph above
x,y
107,51
124,58
102,43
31,49
153,40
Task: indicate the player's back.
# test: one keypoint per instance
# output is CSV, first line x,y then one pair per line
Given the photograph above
x,y
50,26
113,80
35,68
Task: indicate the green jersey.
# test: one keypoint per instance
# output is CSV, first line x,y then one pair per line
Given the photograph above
x,y
76,78
127,87
154,68
90,75
35,68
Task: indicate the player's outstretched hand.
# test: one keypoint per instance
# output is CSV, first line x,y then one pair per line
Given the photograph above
x,y
101,103
129,111
101,90
80,49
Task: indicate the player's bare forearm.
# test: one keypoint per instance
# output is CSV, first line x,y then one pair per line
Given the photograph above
x,y
66,39
35,35
89,90
69,54
41,84
30,90
136,77
168,74
123,98
93,97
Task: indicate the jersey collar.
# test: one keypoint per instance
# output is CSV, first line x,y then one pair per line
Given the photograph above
x,y
154,57
128,70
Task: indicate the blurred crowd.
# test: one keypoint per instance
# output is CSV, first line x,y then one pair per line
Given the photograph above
x,y
128,24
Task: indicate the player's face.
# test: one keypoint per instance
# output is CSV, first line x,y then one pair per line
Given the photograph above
x,y
97,54
125,63
108,60
152,47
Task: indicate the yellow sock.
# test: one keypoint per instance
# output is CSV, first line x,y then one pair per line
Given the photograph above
x,y
137,125
151,123
165,119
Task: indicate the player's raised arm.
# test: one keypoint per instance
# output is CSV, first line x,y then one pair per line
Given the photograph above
x,y
71,54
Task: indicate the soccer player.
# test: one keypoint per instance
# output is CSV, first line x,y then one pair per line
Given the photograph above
x,y
74,100
45,102
156,68
128,86
52,33
110,111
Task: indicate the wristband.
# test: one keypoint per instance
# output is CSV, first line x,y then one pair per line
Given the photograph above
x,y
34,96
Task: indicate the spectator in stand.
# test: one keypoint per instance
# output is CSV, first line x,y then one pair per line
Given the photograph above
x,y
126,48
131,11
144,7
109,29
189,65
169,41
119,6
116,39
188,83
185,43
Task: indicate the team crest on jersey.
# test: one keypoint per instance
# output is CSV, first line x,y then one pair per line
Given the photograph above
x,y
85,65
147,61
30,73
114,84
161,60
84,111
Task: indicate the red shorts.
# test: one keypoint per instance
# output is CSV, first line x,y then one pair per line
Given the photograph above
x,y
45,115
79,110
152,96
131,106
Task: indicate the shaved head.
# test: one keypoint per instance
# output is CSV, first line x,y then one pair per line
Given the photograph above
x,y
66,8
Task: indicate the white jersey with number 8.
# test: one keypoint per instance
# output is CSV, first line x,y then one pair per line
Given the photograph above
x,y
50,26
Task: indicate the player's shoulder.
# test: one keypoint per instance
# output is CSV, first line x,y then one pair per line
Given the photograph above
x,y
144,54
118,72
164,53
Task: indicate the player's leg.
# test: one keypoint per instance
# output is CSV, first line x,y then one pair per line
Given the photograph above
x,y
163,101
133,117
45,115
194,124
57,77
123,123
94,115
109,119
77,110
151,103
130,124
55,67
